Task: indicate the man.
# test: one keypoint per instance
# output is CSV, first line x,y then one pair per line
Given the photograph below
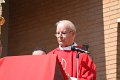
x,y
38,51
65,34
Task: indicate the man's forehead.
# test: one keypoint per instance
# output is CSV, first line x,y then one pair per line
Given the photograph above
x,y
63,26
62,29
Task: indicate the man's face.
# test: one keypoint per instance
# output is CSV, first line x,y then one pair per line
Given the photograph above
x,y
65,36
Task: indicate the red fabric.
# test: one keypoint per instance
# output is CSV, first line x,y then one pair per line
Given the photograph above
x,y
87,69
28,67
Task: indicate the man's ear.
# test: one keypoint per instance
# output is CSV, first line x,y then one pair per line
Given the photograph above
x,y
73,33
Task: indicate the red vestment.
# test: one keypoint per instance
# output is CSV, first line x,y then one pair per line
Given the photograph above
x,y
87,69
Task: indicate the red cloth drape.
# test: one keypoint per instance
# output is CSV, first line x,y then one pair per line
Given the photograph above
x,y
28,67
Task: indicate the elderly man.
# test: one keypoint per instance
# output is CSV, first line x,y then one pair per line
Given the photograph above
x,y
65,34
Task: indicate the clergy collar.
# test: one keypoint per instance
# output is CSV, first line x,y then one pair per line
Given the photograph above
x,y
68,47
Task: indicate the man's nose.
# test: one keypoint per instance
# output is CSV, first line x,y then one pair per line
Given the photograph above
x,y
60,34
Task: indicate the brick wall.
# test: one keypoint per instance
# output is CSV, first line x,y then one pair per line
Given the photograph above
x,y
2,21
4,28
0,28
32,24
111,11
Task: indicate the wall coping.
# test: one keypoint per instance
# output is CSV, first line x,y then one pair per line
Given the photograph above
x,y
118,20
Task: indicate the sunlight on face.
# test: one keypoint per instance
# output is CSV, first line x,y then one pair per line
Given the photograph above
x,y
65,36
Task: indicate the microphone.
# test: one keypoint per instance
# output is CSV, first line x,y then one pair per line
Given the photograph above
x,y
74,48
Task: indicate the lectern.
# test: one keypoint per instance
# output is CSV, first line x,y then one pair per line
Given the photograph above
x,y
31,67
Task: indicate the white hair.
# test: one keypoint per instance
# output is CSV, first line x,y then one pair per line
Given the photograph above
x,y
68,23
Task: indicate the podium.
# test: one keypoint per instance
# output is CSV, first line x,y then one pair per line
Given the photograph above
x,y
31,67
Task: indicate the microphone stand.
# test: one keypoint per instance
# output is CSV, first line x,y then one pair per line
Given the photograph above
x,y
77,64
77,57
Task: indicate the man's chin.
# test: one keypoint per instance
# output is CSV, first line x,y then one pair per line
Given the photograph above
x,y
61,44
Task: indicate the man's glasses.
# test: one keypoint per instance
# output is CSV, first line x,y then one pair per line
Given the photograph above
x,y
62,33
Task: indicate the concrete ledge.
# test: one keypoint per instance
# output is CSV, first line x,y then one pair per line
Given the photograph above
x,y
118,20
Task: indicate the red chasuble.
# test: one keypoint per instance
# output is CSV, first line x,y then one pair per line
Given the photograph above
x,y
87,69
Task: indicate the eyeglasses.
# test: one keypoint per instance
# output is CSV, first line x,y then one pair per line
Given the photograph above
x,y
62,33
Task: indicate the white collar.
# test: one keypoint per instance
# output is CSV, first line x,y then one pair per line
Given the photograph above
x,y
68,47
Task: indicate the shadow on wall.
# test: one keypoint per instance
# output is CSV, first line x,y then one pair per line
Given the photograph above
x,y
91,31
34,25
118,51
